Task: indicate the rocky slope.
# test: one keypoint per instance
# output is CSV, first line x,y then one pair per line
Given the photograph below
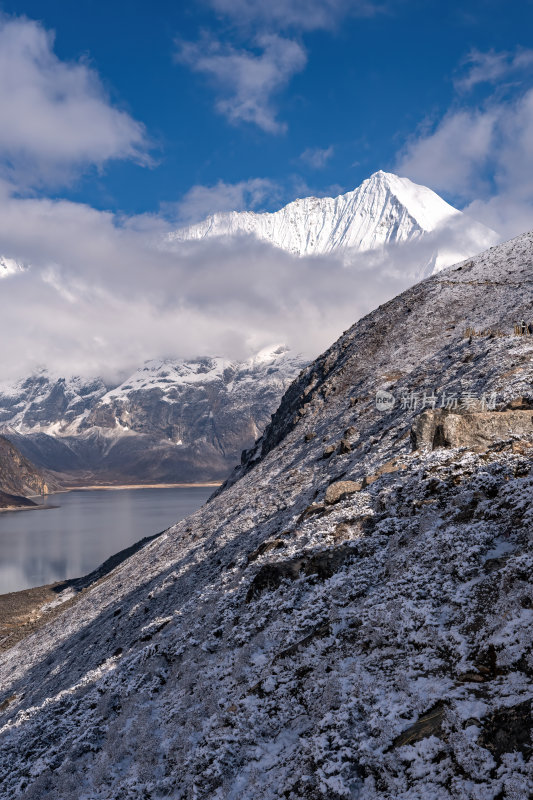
x,y
19,478
350,617
170,421
384,210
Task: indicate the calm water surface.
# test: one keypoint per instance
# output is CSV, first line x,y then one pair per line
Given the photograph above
x,y
38,547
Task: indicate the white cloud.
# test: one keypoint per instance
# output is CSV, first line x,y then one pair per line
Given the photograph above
x,y
56,116
305,15
483,154
248,80
452,157
317,157
100,296
301,188
492,66
201,201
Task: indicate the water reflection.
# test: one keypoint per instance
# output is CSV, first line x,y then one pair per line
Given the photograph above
x,y
39,547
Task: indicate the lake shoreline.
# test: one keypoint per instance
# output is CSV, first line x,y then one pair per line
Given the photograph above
x,y
108,487
36,507
24,611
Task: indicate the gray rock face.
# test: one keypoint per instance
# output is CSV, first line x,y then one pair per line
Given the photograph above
x,y
42,401
275,646
476,431
168,422
18,476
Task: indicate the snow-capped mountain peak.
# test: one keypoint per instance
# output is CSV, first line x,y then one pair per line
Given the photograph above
x,y
426,208
384,209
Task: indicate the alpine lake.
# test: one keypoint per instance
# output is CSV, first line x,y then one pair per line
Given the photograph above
x,y
79,530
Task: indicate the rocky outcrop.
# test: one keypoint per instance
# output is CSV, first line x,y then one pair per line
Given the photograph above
x,y
19,478
476,430
340,489
15,501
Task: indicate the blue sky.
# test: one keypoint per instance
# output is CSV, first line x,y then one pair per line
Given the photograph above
x,y
362,81
121,121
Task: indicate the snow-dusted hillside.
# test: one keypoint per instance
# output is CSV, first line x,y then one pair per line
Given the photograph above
x,y
385,209
169,421
47,403
350,619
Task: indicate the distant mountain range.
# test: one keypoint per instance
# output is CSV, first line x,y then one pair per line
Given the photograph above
x,y
384,210
169,421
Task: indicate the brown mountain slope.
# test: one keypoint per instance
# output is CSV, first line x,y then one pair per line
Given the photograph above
x,y
19,478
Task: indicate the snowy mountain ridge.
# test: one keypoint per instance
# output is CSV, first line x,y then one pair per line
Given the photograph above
x,y
45,402
170,420
385,209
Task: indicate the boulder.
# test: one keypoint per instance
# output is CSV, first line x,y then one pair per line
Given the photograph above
x,y
523,403
428,724
508,730
476,431
340,489
385,469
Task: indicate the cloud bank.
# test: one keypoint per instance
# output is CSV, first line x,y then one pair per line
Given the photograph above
x,y
101,294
